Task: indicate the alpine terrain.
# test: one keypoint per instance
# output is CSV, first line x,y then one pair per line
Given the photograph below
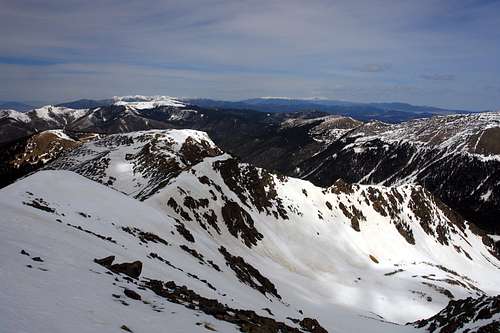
x,y
283,166
151,214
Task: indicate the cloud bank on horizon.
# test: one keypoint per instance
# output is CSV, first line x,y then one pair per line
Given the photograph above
x,y
435,52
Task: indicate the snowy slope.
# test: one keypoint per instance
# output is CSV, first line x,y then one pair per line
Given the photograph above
x,y
48,115
68,291
138,163
407,220
466,133
396,247
353,257
469,315
14,115
56,115
456,157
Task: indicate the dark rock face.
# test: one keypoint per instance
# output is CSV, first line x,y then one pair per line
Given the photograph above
x,y
106,262
240,223
132,269
312,325
25,155
482,313
193,152
258,183
489,142
132,294
181,229
11,130
248,274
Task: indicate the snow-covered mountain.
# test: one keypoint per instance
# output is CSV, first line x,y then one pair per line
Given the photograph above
x,y
249,134
15,124
139,102
138,163
121,114
455,157
215,244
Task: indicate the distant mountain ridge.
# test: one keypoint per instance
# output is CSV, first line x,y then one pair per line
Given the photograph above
x,y
392,112
18,106
389,112
86,103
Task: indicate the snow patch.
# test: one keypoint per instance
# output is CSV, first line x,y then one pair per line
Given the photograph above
x,y
16,115
140,102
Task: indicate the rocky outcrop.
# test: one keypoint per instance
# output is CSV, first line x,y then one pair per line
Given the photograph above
x,y
23,156
481,315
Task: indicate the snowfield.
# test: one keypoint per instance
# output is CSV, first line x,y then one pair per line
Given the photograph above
x,y
356,258
15,115
140,102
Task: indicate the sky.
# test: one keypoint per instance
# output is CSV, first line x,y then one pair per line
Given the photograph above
x,y
442,53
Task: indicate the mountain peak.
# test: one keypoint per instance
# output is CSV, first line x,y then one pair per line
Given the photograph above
x,y
147,102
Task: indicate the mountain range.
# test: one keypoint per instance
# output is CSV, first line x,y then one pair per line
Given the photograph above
x,y
453,156
389,112
147,213
17,106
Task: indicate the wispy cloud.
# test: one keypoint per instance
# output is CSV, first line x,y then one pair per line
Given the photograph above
x,y
438,77
298,47
373,68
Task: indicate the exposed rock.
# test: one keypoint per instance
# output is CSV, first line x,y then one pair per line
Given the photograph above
x,y
106,262
193,151
39,203
126,329
145,237
252,185
240,223
181,229
374,259
132,269
312,325
132,294
28,154
249,275
481,315
247,320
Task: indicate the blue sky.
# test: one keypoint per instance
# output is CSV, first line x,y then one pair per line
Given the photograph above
x,y
443,53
